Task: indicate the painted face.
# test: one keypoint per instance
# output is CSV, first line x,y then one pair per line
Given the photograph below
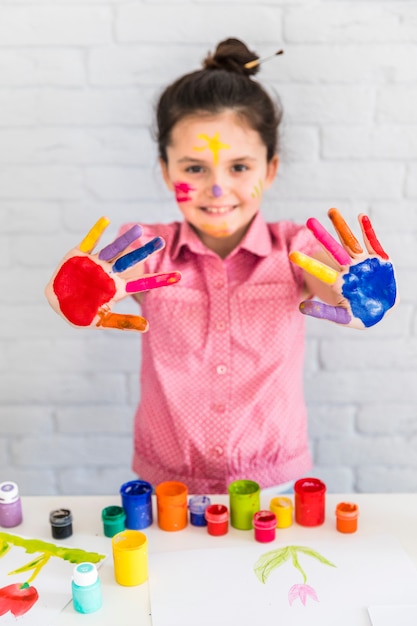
x,y
218,169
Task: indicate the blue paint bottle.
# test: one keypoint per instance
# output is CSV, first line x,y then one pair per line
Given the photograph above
x,y
197,506
86,588
137,504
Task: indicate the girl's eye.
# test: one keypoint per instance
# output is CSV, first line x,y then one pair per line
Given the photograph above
x,y
240,167
194,169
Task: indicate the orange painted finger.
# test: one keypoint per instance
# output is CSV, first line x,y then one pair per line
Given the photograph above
x,y
321,271
122,321
344,232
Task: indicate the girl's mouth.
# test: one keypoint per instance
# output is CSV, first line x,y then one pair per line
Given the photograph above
x,y
217,210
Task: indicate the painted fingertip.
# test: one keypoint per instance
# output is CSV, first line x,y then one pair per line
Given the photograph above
x,y
152,282
328,242
136,256
372,238
90,240
320,310
121,243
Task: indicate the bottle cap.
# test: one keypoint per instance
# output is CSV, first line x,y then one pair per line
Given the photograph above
x,y
85,574
9,492
60,517
198,504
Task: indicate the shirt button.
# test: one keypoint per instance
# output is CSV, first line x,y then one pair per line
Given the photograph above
x,y
219,408
221,326
217,451
221,369
219,284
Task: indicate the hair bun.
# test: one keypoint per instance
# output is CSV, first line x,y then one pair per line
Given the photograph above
x,y
231,55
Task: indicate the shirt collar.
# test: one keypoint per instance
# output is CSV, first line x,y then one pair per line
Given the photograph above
x,y
257,240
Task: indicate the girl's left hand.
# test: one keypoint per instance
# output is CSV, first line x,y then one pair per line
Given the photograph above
x,y
365,285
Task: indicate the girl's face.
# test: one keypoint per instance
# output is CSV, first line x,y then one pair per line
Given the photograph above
x,y
218,170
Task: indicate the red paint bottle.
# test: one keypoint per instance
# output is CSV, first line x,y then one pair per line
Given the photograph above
x,y
217,516
265,524
309,501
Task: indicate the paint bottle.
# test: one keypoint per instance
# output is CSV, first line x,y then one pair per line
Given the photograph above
x,y
113,518
130,557
137,503
61,523
347,517
197,506
171,501
86,588
245,501
10,505
309,496
217,516
265,524
282,507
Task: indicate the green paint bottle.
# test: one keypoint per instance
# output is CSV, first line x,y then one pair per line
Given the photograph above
x,y
245,501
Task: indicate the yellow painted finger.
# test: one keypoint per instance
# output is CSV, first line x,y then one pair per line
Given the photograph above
x,y
90,240
320,270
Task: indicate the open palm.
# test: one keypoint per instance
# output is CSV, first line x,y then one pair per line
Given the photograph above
x,y
365,284
86,286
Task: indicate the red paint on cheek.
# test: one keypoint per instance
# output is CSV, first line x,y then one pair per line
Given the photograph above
x,y
182,191
82,287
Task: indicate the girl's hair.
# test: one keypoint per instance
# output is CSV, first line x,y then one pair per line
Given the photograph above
x,y
223,83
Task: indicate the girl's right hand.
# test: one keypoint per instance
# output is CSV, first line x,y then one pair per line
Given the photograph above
x,y
86,285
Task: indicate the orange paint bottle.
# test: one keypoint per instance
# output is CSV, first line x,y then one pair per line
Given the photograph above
x,y
347,517
172,507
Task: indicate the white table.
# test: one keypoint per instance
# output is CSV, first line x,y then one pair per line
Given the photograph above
x,y
395,514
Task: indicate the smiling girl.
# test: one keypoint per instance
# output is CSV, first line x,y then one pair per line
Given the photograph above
x,y
222,365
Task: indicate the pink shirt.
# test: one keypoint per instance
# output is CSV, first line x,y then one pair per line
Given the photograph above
x,y
221,387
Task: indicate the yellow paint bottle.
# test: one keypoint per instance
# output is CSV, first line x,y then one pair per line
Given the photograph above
x,y
282,507
130,556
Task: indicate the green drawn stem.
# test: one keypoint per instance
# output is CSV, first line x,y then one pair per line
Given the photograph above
x,y
47,550
269,561
297,565
36,565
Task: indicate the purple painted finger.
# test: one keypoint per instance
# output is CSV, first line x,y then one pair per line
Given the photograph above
x,y
336,314
121,243
138,255
336,250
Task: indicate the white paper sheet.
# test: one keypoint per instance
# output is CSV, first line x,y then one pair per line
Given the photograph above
x,y
390,615
219,585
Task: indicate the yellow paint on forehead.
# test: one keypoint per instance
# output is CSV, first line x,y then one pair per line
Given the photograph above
x,y
214,144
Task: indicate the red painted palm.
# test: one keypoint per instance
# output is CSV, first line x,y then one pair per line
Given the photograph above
x,y
86,286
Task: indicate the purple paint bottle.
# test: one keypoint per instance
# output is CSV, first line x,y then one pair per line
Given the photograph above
x,y
10,505
197,506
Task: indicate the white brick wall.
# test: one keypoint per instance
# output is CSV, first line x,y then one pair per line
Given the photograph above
x,y
78,79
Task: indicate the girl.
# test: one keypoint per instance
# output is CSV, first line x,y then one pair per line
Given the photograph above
x,y
221,381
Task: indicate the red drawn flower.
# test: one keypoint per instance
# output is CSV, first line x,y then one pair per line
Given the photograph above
x,y
17,598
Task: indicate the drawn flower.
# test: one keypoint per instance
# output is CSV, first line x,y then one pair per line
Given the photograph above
x,y
17,598
301,592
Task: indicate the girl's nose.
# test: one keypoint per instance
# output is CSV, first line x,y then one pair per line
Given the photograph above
x,y
216,191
